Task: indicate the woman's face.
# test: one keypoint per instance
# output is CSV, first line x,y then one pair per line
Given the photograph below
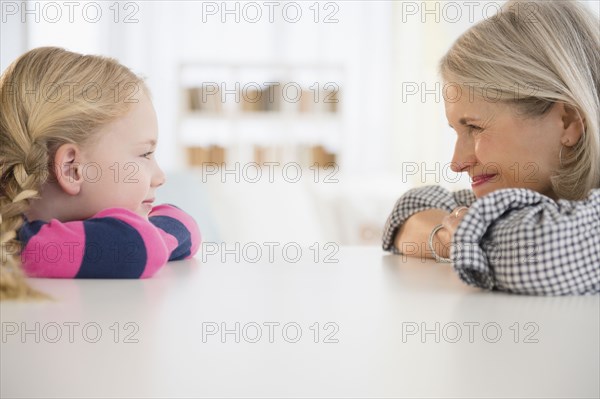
x,y
498,148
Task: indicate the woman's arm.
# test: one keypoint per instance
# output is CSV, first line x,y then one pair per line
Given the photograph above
x,y
413,236
520,241
415,215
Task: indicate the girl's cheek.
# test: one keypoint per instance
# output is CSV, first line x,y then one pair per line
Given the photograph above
x,y
145,173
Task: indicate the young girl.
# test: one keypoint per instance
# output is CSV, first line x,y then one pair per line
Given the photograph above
x,y
78,176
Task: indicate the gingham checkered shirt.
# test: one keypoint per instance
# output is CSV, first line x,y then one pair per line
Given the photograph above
x,y
515,240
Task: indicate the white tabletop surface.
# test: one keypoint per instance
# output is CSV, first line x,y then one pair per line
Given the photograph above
x,y
383,312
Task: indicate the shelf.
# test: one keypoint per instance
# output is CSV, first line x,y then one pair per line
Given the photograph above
x,y
262,108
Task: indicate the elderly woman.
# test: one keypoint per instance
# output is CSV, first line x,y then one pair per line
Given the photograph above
x,y
522,92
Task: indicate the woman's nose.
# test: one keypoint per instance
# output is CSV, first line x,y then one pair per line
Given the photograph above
x,y
463,157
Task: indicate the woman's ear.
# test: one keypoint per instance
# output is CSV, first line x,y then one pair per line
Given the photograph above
x,y
573,125
68,168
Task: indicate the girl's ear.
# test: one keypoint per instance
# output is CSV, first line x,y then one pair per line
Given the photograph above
x,y
68,168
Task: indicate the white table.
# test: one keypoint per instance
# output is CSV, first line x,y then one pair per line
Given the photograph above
x,y
378,306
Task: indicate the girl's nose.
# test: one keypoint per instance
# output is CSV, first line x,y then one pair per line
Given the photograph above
x,y
159,178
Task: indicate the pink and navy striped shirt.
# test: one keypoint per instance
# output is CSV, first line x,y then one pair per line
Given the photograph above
x,y
114,243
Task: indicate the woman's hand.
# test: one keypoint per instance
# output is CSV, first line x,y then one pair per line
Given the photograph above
x,y
445,235
452,221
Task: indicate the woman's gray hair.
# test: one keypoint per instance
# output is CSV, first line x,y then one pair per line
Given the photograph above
x,y
533,54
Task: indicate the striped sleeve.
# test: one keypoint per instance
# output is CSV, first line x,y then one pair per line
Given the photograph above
x,y
180,227
417,200
114,243
520,241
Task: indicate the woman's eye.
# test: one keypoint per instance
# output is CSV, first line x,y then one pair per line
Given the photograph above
x,y
473,128
146,155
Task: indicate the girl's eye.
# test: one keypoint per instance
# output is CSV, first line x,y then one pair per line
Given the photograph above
x,y
146,155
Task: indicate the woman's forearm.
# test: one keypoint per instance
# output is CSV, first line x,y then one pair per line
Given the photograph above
x,y
412,238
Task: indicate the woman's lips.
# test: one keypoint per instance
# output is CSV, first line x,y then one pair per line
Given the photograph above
x,y
481,179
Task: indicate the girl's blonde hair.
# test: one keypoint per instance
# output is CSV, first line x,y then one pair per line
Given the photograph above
x,y
49,97
531,55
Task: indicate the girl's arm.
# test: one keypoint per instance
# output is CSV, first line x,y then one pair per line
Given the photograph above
x,y
415,214
114,243
178,225
520,241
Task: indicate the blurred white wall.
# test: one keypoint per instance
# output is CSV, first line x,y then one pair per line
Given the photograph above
x,y
168,33
385,47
